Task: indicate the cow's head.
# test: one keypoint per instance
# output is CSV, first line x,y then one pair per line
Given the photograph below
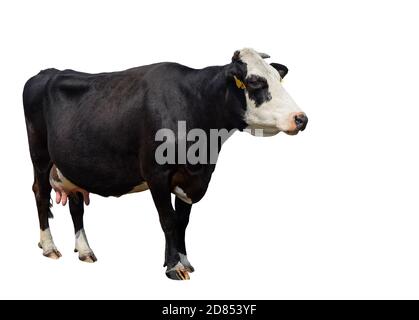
x,y
268,105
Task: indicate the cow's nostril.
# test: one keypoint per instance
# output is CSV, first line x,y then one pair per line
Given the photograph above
x,y
298,121
301,121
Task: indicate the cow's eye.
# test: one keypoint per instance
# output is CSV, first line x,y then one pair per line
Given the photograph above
x,y
256,83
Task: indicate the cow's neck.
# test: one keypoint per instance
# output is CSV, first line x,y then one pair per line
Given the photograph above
x,y
221,97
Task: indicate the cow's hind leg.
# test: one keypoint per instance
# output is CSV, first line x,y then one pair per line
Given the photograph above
x,y
82,245
42,191
38,146
161,193
41,186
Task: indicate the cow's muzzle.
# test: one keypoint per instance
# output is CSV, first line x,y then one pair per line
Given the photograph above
x,y
299,123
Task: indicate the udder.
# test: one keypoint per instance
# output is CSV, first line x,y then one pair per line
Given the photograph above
x,y
64,188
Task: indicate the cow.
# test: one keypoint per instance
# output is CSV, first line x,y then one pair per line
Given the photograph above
x,y
96,133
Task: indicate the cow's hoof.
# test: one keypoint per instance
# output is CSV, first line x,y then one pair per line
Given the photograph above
x,y
178,272
178,275
185,262
88,257
51,253
190,268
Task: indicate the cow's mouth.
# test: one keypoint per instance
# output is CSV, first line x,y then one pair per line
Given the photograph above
x,y
292,133
262,131
270,131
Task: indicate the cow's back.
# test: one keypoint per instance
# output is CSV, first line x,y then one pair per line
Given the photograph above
x,y
93,124
98,123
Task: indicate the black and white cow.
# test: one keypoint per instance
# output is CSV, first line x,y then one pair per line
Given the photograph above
x,y
97,133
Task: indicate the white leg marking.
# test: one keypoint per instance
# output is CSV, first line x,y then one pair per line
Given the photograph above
x,y
180,270
83,248
178,266
185,262
47,245
182,195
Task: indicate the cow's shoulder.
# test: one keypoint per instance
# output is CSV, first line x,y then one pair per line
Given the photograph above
x,y
71,83
167,70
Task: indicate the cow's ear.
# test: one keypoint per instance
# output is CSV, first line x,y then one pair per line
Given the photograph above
x,y
283,70
236,56
236,69
235,73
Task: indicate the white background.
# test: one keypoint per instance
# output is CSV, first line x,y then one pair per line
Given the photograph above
x,y
330,213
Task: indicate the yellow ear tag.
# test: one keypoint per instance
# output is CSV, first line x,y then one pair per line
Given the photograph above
x,y
239,84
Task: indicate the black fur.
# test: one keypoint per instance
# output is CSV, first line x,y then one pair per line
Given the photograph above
x,y
99,130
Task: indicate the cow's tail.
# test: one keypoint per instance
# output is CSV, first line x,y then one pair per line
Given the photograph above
x,y
34,94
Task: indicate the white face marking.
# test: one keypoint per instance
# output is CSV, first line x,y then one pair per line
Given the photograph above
x,y
274,115
182,195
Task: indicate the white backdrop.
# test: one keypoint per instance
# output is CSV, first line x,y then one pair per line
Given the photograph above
x,y
330,213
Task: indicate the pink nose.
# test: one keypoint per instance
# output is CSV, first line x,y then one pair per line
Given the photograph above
x,y
300,120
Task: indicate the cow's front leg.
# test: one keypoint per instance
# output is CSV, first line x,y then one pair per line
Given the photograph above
x,y
82,245
183,211
160,191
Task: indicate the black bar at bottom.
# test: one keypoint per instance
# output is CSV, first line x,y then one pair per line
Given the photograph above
x,y
214,309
